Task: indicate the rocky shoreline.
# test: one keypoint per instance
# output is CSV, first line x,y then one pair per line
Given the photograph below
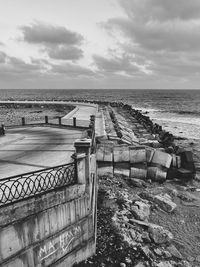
x,y
150,224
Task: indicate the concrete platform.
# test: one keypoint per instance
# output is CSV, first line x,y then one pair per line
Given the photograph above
x,y
33,148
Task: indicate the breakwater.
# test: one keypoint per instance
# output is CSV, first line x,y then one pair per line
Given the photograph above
x,y
134,128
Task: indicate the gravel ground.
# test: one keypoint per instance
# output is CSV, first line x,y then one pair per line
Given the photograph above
x,y
115,246
11,114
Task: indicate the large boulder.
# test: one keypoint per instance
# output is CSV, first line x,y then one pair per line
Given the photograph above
x,y
174,252
165,202
141,210
159,235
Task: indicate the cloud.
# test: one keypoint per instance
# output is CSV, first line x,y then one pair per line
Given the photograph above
x,y
2,57
153,35
65,52
41,33
14,69
41,73
72,70
120,65
57,41
161,35
161,10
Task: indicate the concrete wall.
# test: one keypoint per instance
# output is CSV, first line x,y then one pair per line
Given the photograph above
x,y
54,229
133,161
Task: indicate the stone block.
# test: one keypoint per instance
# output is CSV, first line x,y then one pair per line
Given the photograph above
x,y
149,154
156,174
138,173
105,170
121,154
122,172
108,153
100,152
137,154
162,158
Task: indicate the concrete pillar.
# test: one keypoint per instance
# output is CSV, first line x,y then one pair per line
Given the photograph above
x,y
23,121
83,147
74,121
46,119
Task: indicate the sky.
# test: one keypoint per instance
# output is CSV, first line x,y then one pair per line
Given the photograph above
x,y
96,44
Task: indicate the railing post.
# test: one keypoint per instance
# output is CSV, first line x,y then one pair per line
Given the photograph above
x,y
23,121
83,150
74,121
46,119
3,129
59,121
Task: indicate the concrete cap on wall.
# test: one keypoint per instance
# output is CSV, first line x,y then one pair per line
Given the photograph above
x,y
85,142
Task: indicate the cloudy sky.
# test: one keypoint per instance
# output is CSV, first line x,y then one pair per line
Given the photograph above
x,y
100,44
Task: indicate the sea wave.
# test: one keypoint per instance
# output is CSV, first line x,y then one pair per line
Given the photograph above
x,y
181,120
184,112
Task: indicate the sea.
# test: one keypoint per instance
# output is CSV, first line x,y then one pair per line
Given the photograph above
x,y
178,111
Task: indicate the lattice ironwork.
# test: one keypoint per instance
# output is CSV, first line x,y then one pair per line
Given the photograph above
x,y
34,183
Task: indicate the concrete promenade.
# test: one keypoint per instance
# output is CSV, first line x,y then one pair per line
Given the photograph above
x,y
33,148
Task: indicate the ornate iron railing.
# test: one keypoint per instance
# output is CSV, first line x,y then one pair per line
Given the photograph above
x,y
34,183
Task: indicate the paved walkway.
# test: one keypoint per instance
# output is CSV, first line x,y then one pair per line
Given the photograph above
x,y
33,148
29,149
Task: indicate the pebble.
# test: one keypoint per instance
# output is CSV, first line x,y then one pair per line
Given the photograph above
x,y
158,251
198,258
140,264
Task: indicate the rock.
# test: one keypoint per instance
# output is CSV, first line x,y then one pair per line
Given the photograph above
x,y
145,237
137,182
167,254
174,252
184,264
132,234
140,210
158,251
198,259
164,202
122,264
159,235
146,195
145,224
164,264
190,258
147,252
128,260
140,264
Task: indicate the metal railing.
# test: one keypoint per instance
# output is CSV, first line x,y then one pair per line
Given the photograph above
x,y
34,183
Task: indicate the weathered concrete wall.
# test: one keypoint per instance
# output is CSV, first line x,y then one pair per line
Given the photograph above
x,y
143,162
133,161
53,229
